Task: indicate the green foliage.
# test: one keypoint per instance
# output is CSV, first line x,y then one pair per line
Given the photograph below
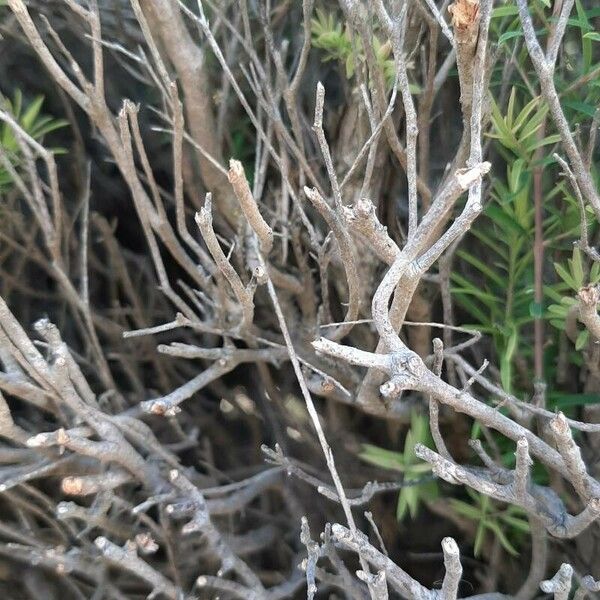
x,y
498,295
329,35
493,282
32,121
407,463
506,525
573,278
516,132
337,44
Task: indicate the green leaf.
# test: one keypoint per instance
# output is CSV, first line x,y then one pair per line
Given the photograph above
x,y
482,267
412,501
566,276
46,125
586,43
505,373
516,523
560,325
534,123
380,457
490,242
582,339
32,112
551,139
502,538
479,538
592,35
501,129
525,112
465,509
511,345
589,110
552,293
508,10
510,109
507,357
509,35
404,502
474,310
505,222
558,310
577,267
472,290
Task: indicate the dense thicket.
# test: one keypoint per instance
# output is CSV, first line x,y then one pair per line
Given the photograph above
x,y
299,299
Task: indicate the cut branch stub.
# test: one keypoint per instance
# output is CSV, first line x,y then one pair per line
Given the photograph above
x,y
240,186
465,20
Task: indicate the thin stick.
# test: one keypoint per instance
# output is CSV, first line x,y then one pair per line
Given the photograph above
x,y
312,411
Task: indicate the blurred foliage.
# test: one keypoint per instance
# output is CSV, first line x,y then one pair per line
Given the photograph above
x,y
507,525
33,122
409,465
337,43
573,278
